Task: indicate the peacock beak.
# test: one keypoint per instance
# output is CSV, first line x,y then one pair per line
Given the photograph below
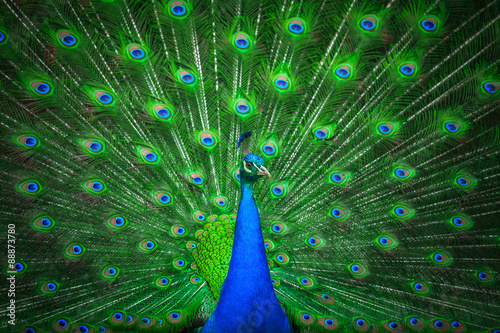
x,y
263,172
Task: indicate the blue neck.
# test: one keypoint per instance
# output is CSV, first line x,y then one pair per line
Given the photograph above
x,y
247,300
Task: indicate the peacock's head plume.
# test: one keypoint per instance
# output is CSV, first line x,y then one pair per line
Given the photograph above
x,y
252,167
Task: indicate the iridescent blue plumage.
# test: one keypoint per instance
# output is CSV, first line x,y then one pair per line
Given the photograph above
x,y
248,282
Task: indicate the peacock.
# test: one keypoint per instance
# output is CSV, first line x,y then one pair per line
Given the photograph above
x,y
250,166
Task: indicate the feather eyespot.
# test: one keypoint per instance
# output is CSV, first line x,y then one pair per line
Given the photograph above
x,y
328,323
18,268
3,37
403,173
457,327
191,245
162,282
320,134
484,276
162,198
136,52
386,129
117,318
461,222
41,88
110,272
29,329
178,9
441,258
429,24
415,323
440,325
220,202
269,149
179,263
93,146
43,223
452,127
67,39
282,82
361,324
175,317
296,26
195,279
278,228
60,324
146,323
386,242
281,258
116,222
357,270
420,288
242,107
187,77
368,23
236,175
402,212
339,178
178,230
269,244
94,186
306,282
343,72
74,250
147,245
199,233
339,213
242,41
490,87
84,328
207,140
130,320
279,190
103,98
276,282
408,69
325,298
197,179
28,141
306,318
314,242
199,217
323,132
391,325
49,288
148,155
30,187
464,182
162,112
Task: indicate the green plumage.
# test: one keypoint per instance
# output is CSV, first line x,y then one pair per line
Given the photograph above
x,y
378,121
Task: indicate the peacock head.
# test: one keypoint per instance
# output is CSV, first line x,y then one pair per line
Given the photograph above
x,y
253,168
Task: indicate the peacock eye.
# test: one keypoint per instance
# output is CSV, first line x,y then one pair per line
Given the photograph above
x,y
249,165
